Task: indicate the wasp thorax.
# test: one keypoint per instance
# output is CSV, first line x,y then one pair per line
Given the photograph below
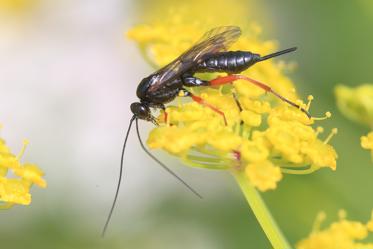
x,y
141,110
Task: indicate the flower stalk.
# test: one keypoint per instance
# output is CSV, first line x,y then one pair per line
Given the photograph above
x,y
261,212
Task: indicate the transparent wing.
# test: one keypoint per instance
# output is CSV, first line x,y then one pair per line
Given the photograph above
x,y
215,40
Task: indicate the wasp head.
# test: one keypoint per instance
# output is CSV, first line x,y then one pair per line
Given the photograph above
x,y
142,111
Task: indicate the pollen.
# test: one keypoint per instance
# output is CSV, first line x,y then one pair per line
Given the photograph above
x,y
181,94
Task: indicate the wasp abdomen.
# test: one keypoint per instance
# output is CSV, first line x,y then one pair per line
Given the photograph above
x,y
229,62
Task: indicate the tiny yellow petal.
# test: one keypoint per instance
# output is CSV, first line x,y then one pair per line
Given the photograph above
x,y
246,89
174,140
31,173
256,106
3,147
263,175
251,118
321,155
14,191
224,141
254,151
367,141
9,161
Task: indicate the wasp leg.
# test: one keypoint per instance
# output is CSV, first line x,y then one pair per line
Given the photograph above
x,y
165,114
160,106
237,101
230,78
238,105
191,81
201,101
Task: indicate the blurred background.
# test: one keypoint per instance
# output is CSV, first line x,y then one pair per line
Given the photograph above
x,y
68,76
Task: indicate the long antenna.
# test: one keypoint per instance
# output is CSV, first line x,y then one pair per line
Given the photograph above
x,y
162,164
120,177
269,56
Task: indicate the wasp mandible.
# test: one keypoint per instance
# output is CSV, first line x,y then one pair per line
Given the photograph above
x,y
209,54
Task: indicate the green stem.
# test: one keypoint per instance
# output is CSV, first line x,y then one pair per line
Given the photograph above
x,y
299,171
204,165
261,212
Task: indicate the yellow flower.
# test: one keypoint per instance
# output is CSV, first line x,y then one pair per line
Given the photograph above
x,y
367,142
254,150
17,190
31,173
263,174
285,142
357,105
264,139
343,234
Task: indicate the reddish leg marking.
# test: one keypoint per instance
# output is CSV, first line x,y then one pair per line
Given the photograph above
x,y
237,155
201,101
230,78
165,116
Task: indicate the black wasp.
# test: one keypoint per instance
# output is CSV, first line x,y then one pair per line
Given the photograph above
x,y
209,54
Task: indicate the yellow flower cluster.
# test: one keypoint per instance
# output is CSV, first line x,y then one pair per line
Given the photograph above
x,y
343,234
264,140
259,138
357,105
17,190
264,137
